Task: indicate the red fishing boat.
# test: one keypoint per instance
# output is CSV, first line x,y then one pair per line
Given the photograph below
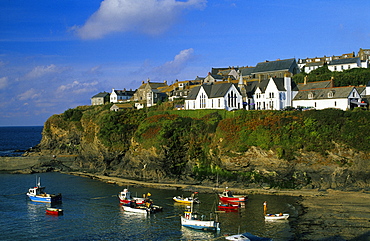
x,y
228,196
125,197
54,211
228,206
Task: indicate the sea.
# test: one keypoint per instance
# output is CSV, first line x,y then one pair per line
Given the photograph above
x,y
92,210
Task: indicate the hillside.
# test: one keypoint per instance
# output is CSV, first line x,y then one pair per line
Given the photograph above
x,y
270,149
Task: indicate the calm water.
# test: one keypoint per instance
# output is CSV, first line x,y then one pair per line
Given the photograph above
x,y
92,210
18,138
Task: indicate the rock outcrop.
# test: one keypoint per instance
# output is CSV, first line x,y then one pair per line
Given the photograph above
x,y
176,158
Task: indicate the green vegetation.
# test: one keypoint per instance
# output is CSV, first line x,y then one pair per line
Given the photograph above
x,y
190,142
355,76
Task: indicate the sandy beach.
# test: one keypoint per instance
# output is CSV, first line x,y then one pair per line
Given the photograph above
x,y
326,215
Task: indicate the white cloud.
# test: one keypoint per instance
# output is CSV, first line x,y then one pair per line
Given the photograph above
x,y
3,82
40,71
29,94
175,66
145,16
77,87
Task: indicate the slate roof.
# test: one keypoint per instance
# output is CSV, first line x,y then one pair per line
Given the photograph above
x,y
212,91
247,71
272,66
193,93
101,94
315,85
338,93
279,82
344,61
124,92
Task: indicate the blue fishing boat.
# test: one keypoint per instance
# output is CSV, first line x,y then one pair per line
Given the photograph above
x,y
37,194
191,220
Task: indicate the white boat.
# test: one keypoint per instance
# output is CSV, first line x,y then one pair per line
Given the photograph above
x,y
278,216
146,208
191,220
138,209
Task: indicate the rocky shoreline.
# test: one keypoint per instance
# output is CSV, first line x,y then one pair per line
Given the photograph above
x,y
325,214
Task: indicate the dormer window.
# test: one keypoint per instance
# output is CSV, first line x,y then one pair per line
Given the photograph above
x,y
310,95
331,94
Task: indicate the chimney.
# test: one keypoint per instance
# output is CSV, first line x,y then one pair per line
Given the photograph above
x,y
305,80
288,88
332,82
165,82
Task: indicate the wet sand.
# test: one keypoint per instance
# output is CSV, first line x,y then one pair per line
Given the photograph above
x,y
326,215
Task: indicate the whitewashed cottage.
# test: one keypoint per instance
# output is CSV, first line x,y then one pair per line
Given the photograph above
x,y
343,98
274,93
214,96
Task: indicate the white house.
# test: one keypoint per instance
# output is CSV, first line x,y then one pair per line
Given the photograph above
x,y
214,96
120,95
344,64
274,93
335,97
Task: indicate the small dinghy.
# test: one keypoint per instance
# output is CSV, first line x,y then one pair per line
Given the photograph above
x,y
278,216
54,211
186,200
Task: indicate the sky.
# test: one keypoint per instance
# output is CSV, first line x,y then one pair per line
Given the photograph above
x,y
57,54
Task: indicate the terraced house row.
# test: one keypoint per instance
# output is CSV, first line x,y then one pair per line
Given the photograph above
x,y
266,86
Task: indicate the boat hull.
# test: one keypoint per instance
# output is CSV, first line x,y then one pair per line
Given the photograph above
x,y
136,210
233,199
185,200
45,198
277,216
200,225
126,201
54,211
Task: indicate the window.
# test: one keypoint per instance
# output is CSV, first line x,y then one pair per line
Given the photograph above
x,y
310,95
335,103
202,101
330,94
349,66
335,68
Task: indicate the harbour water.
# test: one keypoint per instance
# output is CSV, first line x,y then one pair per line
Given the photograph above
x,y
92,212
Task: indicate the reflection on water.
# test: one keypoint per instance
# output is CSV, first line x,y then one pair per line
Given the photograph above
x,y
192,234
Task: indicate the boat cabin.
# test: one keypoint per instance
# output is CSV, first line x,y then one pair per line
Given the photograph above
x,y
36,191
125,195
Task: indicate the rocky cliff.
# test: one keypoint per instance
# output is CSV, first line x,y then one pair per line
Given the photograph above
x,y
255,149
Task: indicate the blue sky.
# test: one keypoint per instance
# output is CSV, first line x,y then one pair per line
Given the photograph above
x,y
57,54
